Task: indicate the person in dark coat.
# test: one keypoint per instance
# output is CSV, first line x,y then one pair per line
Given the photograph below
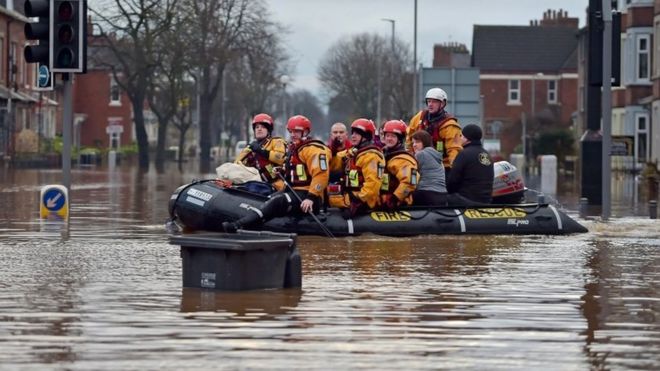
x,y
472,172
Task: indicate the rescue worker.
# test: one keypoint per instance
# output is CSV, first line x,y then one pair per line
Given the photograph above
x,y
363,166
400,177
338,142
443,127
306,171
266,152
473,172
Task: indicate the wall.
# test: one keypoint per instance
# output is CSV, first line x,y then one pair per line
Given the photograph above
x,y
92,98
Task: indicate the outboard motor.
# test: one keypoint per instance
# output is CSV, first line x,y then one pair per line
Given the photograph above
x,y
508,185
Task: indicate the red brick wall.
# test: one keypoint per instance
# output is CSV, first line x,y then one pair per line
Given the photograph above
x,y
634,93
495,93
91,96
638,17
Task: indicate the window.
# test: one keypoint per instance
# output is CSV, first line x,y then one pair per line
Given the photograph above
x,y
552,91
642,138
514,91
115,96
12,64
643,57
656,49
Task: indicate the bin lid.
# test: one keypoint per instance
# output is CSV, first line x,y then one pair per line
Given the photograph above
x,y
243,240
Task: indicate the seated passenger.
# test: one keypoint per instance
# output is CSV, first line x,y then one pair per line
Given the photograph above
x,y
265,152
306,172
431,189
472,172
363,167
400,176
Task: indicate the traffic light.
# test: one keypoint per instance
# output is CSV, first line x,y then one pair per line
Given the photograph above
x,y
68,36
38,31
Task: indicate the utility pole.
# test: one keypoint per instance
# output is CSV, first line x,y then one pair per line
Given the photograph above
x,y
414,70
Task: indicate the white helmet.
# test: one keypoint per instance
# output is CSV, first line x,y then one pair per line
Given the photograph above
x,y
436,93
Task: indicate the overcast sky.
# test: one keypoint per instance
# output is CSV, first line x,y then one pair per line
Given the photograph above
x,y
315,25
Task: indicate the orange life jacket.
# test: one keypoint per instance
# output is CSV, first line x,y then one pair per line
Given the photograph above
x,y
261,163
353,177
434,129
392,180
296,170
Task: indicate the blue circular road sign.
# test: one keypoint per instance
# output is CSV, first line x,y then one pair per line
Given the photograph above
x,y
54,199
44,76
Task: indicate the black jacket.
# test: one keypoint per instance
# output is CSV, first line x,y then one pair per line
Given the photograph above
x,y
472,173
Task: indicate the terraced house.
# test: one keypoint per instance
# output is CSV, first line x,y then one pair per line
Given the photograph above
x,y
26,116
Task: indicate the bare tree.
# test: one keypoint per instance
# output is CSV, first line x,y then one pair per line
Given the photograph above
x,y
168,90
305,103
218,30
183,121
132,30
254,77
350,69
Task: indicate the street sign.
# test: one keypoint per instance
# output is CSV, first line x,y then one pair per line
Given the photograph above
x,y
54,201
114,129
44,80
622,145
43,77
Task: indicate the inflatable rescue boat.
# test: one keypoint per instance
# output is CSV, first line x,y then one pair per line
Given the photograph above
x,y
205,205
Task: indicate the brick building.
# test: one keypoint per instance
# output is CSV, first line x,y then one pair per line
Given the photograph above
x,y
103,116
528,77
636,102
451,55
23,112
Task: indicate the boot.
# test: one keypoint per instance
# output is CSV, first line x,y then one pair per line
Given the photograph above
x,y
244,222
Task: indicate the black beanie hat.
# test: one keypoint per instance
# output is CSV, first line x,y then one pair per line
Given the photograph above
x,y
472,132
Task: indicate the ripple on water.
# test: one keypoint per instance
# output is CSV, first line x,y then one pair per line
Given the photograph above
x,y
103,291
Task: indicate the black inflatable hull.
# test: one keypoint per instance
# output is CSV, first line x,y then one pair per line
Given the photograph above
x,y
205,205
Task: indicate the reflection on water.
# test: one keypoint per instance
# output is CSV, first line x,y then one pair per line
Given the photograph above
x,y
253,304
103,291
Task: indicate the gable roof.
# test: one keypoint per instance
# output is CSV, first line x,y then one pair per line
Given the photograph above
x,y
524,48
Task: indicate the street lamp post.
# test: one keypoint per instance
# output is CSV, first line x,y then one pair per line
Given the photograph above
x,y
414,69
284,79
393,22
533,115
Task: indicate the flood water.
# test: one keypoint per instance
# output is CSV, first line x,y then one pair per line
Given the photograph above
x,y
103,291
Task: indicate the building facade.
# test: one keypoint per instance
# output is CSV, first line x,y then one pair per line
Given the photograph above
x,y
636,101
25,115
528,78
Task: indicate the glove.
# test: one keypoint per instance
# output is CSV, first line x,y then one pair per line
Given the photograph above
x,y
255,147
334,146
391,202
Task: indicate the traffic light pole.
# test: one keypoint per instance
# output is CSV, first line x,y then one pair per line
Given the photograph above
x,y
607,108
67,125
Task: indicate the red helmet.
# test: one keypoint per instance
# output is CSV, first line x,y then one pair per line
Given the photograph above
x,y
263,119
299,122
397,127
366,126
